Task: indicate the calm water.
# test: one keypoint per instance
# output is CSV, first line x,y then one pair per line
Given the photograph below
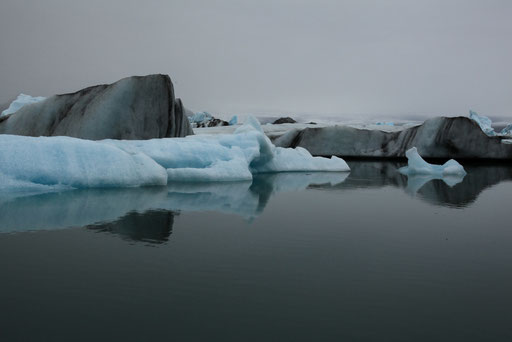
x,y
365,256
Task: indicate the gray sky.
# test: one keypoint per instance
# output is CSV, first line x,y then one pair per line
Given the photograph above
x,y
347,57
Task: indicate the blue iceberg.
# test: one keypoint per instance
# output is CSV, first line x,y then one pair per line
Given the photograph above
x,y
485,124
42,163
20,101
418,166
233,121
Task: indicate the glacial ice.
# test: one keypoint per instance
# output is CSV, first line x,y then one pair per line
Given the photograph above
x,y
416,182
76,163
418,166
507,130
485,124
233,120
200,117
20,101
71,162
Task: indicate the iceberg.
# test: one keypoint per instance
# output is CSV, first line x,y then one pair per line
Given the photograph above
x,y
233,121
20,101
65,162
205,119
137,107
200,117
74,163
484,122
507,130
440,137
385,123
418,166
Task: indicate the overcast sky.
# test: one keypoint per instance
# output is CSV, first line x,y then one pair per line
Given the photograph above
x,y
343,57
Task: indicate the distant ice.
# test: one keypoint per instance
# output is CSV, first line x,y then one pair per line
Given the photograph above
x,y
483,121
485,124
200,117
21,100
507,130
70,162
233,120
418,166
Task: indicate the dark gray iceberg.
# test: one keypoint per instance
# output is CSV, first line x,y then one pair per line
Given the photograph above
x,y
441,137
137,107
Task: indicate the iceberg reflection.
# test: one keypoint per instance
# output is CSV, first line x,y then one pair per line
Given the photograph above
x,y
152,226
450,191
416,182
146,214
118,211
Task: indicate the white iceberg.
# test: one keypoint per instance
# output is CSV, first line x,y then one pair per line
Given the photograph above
x,y
29,162
20,101
418,166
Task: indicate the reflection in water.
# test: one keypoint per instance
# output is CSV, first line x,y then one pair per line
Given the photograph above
x,y
152,226
78,208
416,182
450,191
462,194
146,214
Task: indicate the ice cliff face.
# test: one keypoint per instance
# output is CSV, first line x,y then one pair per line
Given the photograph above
x,y
440,137
138,107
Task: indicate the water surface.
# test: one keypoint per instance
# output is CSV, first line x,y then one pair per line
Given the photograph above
x,y
365,256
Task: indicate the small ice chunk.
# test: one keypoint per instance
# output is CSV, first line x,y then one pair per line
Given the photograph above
x,y
21,100
418,166
506,141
